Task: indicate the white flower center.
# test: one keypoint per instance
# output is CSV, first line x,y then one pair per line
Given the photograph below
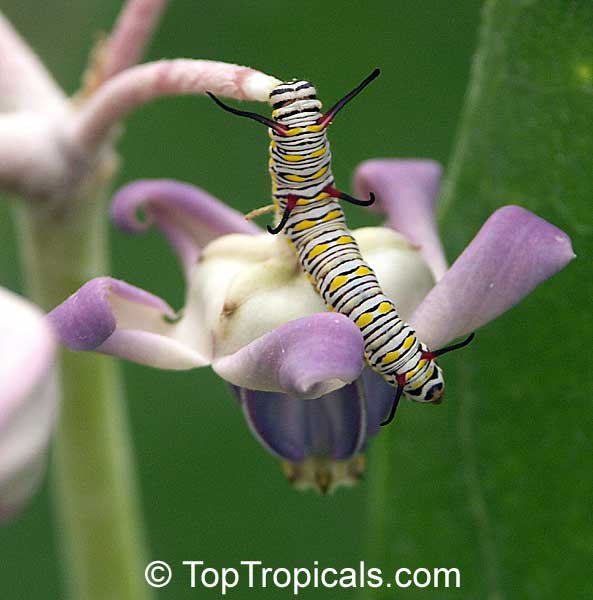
x,y
245,286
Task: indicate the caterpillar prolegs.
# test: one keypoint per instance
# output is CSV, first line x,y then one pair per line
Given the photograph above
x,y
309,214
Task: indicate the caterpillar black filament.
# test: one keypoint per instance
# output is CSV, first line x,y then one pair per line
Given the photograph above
x,y
309,214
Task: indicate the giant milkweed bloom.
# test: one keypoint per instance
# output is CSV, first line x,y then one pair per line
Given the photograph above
x,y
297,370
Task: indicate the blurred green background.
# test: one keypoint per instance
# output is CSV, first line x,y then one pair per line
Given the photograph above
x,y
209,490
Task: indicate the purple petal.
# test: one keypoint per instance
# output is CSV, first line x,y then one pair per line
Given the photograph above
x,y
513,252
28,400
306,358
379,398
407,193
189,217
295,429
110,316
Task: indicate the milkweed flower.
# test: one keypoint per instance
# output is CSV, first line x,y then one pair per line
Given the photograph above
x,y
298,370
28,399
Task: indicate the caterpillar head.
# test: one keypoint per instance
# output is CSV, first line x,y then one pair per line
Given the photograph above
x,y
430,388
292,98
428,385
436,391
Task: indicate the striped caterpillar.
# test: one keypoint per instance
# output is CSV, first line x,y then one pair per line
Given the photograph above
x,y
308,212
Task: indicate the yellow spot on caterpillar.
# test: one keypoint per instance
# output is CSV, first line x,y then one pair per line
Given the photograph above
x,y
338,282
362,271
317,250
408,342
384,307
294,131
332,215
319,173
413,371
364,319
307,223
390,357
423,380
344,239
416,385
314,128
317,153
293,157
304,225
295,178
321,196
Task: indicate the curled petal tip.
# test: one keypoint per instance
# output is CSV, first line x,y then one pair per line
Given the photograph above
x,y
85,320
258,86
549,248
514,251
407,192
305,358
188,216
426,173
111,316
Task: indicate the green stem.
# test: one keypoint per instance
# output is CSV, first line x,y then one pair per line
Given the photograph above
x,y
96,500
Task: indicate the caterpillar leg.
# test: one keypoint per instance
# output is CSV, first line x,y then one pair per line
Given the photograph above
x,y
398,395
260,211
334,193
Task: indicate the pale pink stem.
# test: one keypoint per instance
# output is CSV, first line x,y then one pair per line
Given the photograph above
x,y
136,86
24,81
132,32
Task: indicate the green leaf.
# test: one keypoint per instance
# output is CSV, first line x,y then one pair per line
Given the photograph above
x,y
497,480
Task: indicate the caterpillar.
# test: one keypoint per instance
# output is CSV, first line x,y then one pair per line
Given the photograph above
x,y
309,214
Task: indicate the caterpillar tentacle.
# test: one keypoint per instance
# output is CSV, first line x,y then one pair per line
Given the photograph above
x,y
394,405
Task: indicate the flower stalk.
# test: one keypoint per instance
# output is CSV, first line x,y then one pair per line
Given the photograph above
x,y
95,487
